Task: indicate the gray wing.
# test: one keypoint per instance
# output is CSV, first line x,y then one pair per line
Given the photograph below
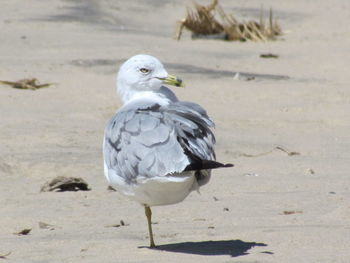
x,y
150,140
193,128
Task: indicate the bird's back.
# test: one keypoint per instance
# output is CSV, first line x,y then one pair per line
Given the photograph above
x,y
145,140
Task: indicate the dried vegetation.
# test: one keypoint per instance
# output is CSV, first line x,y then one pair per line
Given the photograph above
x,y
62,184
202,21
32,84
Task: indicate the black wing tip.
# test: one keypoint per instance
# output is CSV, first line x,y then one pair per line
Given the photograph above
x,y
207,165
214,164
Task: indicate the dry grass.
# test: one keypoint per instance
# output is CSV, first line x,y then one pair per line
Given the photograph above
x,y
202,21
32,84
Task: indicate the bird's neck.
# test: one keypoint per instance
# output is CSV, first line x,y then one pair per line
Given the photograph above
x,y
162,96
155,96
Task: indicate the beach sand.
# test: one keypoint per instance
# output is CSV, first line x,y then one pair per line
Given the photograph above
x,y
286,130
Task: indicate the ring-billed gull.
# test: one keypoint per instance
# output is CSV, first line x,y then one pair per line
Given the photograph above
x,y
156,148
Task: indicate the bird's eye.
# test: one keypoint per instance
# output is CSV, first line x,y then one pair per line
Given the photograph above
x,y
144,70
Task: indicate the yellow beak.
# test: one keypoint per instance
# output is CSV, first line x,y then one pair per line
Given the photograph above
x,y
174,81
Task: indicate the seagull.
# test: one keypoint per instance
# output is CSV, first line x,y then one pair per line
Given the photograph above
x,y
156,148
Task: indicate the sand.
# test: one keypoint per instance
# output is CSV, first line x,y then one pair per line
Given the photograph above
x,y
271,207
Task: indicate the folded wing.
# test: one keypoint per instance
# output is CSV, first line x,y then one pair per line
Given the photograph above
x,y
151,140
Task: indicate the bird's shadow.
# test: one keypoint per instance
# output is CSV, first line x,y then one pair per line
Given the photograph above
x,y
234,248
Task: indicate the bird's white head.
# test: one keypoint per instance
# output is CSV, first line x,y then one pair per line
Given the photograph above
x,y
143,73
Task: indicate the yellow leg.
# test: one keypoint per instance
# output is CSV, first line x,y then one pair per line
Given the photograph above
x,y
148,213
